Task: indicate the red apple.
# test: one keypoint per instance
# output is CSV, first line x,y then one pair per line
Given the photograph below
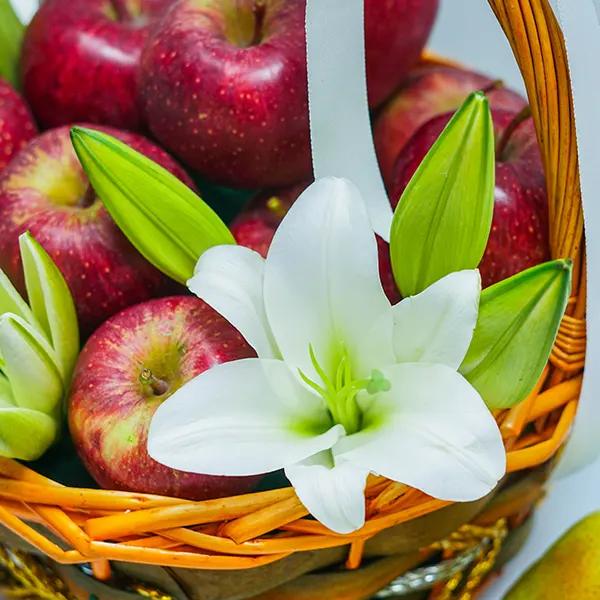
x,y
132,364
16,123
428,92
519,236
396,32
224,85
44,190
80,60
255,227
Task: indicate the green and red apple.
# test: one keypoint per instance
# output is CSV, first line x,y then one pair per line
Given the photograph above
x,y
129,366
44,190
224,83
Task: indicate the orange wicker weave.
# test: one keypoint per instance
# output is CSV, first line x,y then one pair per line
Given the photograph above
x,y
253,530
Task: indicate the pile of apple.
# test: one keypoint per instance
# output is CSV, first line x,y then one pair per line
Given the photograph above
x,y
221,86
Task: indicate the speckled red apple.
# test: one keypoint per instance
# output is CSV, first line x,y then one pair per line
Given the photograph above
x,y
80,60
224,84
255,228
132,364
44,190
16,123
428,92
519,236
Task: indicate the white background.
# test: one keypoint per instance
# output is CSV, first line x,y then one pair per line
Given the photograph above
x,y
467,31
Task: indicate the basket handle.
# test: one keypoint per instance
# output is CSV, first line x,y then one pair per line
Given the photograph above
x,y
542,50
539,47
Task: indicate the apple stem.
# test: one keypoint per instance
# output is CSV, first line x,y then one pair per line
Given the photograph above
x,y
275,205
521,116
88,199
260,11
495,85
121,10
159,387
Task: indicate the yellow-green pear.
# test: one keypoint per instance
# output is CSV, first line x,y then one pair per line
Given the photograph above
x,y
570,570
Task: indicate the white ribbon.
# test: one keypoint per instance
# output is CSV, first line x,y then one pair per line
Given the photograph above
x,y
340,128
581,29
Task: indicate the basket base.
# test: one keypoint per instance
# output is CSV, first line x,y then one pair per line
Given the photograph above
x,y
27,576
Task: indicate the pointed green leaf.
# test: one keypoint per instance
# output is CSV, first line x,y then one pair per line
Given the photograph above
x,y
11,301
51,303
443,220
26,434
11,36
6,396
165,220
517,325
30,366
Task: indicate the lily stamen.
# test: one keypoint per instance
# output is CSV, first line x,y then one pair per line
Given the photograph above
x,y
341,398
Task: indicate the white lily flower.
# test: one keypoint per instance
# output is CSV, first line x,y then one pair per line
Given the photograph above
x,y
344,384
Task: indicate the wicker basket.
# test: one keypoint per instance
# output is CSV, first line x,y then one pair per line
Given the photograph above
x,y
187,549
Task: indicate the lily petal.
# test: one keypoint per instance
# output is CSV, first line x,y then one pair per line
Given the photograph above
x,y
436,326
26,434
12,302
245,417
230,279
29,365
431,431
322,285
51,303
334,495
6,396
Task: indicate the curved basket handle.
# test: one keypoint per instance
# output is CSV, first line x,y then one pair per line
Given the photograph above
x,y
539,47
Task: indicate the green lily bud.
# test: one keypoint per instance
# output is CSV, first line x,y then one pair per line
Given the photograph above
x,y
39,345
165,220
516,329
11,34
443,220
51,303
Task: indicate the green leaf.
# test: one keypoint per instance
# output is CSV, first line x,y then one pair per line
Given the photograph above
x,y
30,366
26,434
11,301
517,325
11,36
165,220
443,220
6,396
51,303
